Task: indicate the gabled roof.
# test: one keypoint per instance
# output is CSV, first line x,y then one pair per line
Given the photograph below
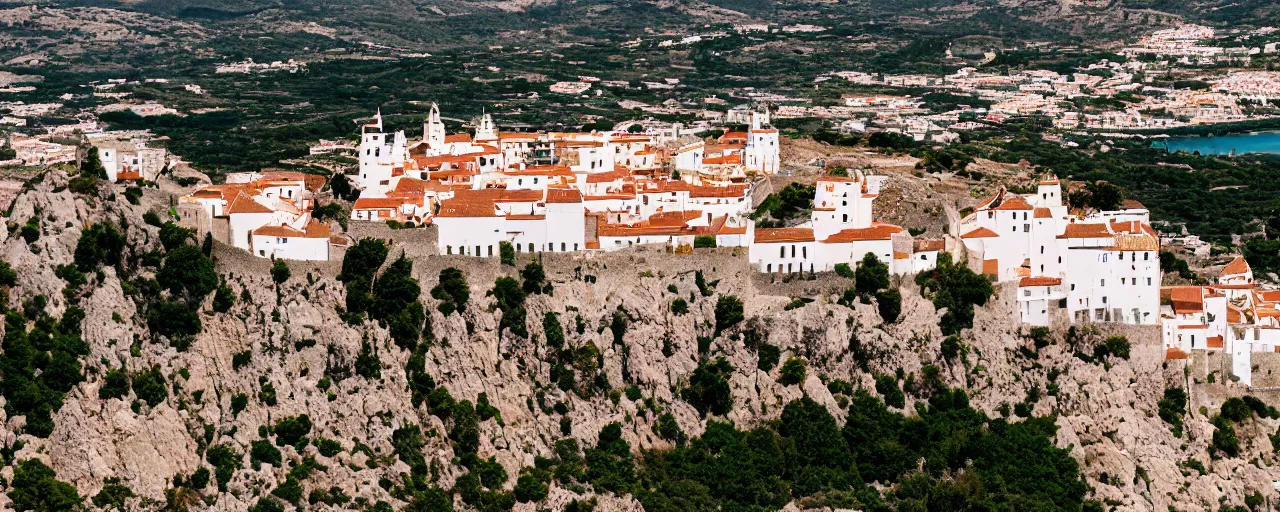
x,y
314,229
245,204
1132,227
1237,266
469,203
1014,202
1043,213
980,233
991,267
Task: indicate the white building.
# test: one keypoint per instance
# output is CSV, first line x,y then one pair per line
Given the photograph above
x,y
1233,316
840,230
1104,267
266,214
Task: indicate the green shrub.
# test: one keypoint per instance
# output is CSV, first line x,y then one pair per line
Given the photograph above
x,y
768,356
328,447
280,271
871,275
172,235
115,384
888,388
292,430
171,318
452,292
956,289
187,272
843,270
99,244
150,386
35,487
241,359
708,390
793,371
262,451
506,253
728,312
704,241
679,307
667,428
225,461
889,303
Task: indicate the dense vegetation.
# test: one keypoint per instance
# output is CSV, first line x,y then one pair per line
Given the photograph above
x,y
992,464
958,290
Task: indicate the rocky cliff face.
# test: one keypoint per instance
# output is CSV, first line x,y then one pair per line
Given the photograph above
x,y
284,351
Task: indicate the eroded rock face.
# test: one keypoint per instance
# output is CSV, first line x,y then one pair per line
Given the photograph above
x,y
1105,413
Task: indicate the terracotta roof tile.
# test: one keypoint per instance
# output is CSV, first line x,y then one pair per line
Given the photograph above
x,y
991,267
245,204
1236,267
1015,202
929,245
1136,243
563,195
875,232
377,203
1081,230
980,233
783,235
1039,281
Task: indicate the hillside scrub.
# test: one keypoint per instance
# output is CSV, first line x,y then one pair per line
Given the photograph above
x,y
956,289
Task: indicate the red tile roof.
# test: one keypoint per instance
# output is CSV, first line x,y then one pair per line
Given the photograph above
x,y
1236,267
929,245
1077,230
1186,299
1014,202
875,232
245,204
783,235
991,267
378,203
563,195
1039,281
980,233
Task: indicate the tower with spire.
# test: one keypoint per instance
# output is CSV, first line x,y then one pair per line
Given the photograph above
x,y
762,144
487,131
433,131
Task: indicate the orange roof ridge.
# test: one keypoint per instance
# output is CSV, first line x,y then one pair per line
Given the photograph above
x,y
1236,267
245,204
980,233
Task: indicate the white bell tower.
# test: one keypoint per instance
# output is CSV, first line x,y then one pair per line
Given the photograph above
x,y
433,133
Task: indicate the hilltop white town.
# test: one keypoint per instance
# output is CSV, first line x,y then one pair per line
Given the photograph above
x,y
640,256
